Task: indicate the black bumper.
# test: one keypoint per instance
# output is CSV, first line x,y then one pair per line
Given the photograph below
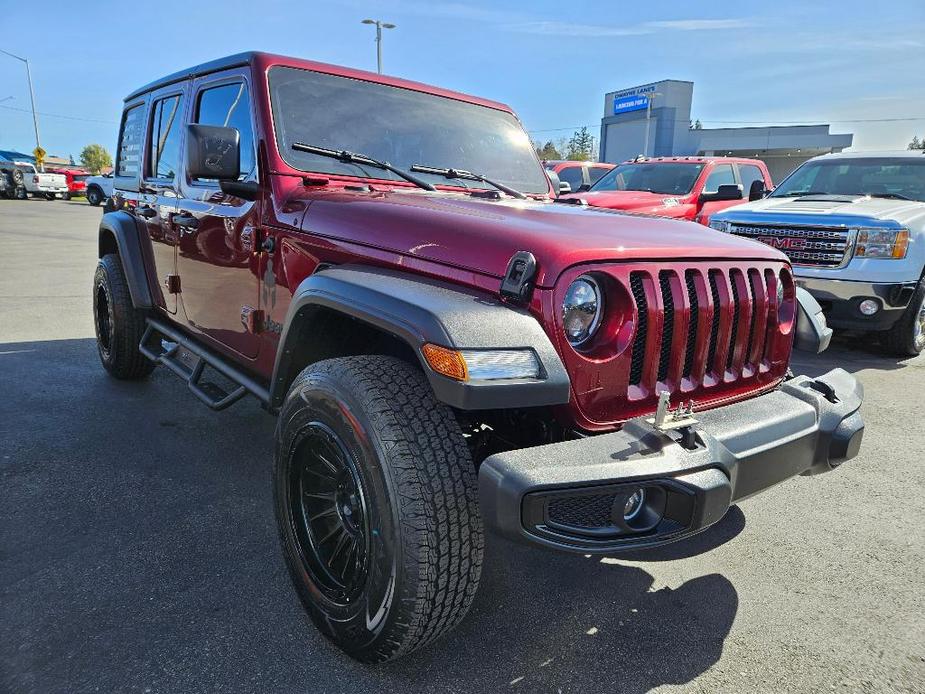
x,y
572,495
840,301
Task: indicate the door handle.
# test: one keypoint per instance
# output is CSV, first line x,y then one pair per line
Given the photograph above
x,y
146,212
185,220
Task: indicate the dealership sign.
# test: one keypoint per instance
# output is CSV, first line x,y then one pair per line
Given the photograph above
x,y
631,102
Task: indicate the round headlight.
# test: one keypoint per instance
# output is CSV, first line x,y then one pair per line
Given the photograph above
x,y
582,309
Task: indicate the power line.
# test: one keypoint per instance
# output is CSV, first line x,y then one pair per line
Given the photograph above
x,y
759,122
58,115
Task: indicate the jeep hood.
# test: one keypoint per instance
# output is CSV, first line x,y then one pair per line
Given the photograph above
x,y
840,209
482,235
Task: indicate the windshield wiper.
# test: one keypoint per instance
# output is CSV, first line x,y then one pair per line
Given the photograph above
x,y
348,157
894,196
467,175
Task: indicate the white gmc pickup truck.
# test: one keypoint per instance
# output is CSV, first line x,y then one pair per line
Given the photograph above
x,y
853,225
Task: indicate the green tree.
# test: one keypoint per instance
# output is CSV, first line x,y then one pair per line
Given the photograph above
x,y
580,146
697,125
548,151
917,143
95,158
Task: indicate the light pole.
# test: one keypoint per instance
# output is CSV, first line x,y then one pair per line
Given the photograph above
x,y
35,118
380,25
649,96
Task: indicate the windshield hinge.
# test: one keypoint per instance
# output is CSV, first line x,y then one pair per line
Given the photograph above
x,y
517,284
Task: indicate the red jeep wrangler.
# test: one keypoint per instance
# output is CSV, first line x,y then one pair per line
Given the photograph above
x,y
679,187
382,265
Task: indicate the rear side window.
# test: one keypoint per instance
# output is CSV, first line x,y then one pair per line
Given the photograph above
x,y
128,160
749,174
572,176
720,176
166,124
229,106
595,172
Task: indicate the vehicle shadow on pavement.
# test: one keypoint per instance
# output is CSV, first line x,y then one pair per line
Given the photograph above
x,y
850,351
138,550
553,622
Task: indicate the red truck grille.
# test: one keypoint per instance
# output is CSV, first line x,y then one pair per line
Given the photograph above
x,y
707,332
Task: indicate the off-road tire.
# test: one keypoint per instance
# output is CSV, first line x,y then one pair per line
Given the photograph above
x,y
903,339
417,475
21,193
18,178
119,325
94,196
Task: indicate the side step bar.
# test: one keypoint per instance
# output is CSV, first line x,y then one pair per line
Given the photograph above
x,y
212,395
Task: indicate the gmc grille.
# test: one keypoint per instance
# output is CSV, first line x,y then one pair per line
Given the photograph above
x,y
814,246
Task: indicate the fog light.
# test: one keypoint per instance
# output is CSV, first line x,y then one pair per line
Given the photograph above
x,y
869,307
634,504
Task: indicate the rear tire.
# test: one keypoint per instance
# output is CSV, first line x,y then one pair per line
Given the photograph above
x,y
907,337
119,325
376,502
50,196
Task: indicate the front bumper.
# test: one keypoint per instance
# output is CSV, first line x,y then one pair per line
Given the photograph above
x,y
572,495
840,299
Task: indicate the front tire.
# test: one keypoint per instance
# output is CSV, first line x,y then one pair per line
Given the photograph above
x,y
119,325
907,337
94,196
376,502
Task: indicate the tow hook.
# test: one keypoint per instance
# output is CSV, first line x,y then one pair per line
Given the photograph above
x,y
680,420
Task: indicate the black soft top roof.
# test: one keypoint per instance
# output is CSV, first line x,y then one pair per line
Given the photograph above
x,y
236,60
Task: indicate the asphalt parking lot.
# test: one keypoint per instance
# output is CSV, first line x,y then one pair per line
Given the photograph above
x,y
138,550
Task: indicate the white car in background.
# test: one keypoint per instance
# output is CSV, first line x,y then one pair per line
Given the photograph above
x,y
28,181
99,188
853,226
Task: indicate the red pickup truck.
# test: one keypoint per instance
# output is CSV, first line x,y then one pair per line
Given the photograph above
x,y
76,181
679,187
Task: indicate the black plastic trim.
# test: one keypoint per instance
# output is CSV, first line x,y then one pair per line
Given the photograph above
x,y
418,310
807,427
123,228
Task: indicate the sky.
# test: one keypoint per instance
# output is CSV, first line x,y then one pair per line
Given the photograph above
x,y
855,65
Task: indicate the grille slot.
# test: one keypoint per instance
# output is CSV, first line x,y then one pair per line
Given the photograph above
x,y
714,328
664,283
733,283
592,511
695,317
753,281
642,329
813,246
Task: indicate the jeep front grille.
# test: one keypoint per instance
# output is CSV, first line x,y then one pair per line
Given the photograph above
x,y
813,246
703,331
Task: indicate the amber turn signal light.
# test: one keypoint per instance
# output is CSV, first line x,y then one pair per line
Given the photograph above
x,y
447,362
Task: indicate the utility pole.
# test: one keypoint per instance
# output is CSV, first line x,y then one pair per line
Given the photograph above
x,y
35,118
645,149
380,25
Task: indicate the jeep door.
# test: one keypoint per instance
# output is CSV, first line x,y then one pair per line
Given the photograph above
x,y
157,194
217,259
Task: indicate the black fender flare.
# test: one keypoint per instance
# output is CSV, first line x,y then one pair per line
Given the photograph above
x,y
418,310
123,229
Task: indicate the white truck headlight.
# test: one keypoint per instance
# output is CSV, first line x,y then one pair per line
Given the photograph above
x,y
582,309
882,243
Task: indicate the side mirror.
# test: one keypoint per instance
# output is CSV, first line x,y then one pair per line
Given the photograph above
x,y
213,152
757,191
727,191
813,333
564,187
584,187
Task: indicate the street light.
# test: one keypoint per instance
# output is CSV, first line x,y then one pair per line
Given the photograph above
x,y
35,118
645,149
380,25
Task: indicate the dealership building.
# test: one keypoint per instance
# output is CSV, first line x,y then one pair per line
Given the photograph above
x,y
655,120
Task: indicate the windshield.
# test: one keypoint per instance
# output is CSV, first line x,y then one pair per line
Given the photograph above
x,y
399,126
673,179
881,176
